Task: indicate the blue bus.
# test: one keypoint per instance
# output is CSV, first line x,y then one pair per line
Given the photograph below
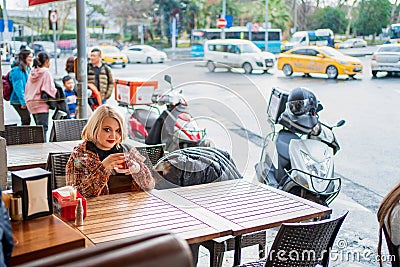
x,y
199,36
394,32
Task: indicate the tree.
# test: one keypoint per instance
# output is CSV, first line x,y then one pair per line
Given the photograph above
x,y
378,16
329,17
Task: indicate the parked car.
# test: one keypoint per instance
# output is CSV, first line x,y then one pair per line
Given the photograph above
x,y
386,58
351,43
47,46
313,59
111,55
236,53
144,53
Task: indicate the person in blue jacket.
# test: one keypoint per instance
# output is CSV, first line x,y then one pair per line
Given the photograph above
x,y
18,78
70,93
6,236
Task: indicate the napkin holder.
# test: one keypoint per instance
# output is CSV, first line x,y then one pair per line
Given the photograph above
x,y
64,206
33,186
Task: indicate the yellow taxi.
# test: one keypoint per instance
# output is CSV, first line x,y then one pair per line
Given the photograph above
x,y
318,59
111,55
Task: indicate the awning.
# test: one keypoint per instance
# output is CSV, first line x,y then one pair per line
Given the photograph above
x,y
38,2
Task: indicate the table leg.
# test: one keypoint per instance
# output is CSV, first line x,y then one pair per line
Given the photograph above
x,y
238,250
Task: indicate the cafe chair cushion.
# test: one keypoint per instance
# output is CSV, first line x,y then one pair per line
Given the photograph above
x,y
148,250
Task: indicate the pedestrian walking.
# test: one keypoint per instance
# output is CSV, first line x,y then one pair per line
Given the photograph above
x,y
100,75
40,81
18,78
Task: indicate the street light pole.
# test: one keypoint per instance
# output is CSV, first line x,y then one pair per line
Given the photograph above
x,y
223,16
81,72
266,25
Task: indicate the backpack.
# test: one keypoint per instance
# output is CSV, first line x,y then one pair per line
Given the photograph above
x,y
7,86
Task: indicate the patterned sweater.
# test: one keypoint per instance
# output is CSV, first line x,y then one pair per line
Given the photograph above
x,y
86,172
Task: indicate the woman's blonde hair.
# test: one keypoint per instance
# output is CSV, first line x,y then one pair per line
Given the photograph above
x,y
93,126
385,212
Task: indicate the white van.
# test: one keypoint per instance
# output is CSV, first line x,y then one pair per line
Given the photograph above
x,y
318,37
236,53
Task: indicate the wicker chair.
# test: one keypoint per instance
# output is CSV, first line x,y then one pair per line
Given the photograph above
x,y
67,130
393,249
302,244
152,153
56,163
26,134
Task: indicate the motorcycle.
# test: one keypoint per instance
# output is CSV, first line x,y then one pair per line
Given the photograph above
x,y
297,155
167,121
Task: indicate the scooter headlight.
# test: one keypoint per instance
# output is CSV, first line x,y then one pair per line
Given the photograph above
x,y
320,169
311,164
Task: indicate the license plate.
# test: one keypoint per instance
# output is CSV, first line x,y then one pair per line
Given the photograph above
x,y
270,64
357,69
119,61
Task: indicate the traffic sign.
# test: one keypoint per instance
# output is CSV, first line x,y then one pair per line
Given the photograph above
x,y
53,16
221,23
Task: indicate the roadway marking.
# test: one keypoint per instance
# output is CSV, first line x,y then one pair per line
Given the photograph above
x,y
397,91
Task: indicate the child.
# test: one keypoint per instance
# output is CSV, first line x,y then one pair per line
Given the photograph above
x,y
70,94
101,156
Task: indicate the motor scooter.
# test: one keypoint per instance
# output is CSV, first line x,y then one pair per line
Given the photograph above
x,y
297,155
167,121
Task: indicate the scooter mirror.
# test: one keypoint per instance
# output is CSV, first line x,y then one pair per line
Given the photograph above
x,y
167,78
319,107
340,123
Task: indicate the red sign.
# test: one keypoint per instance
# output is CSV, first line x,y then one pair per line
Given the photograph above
x,y
221,23
38,2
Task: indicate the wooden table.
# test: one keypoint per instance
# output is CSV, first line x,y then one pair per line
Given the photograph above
x,y
112,217
43,237
250,207
196,213
27,156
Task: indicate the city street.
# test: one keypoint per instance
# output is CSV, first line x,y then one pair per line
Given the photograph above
x,y
232,107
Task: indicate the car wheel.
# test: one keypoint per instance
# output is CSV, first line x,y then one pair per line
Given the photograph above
x,y
287,70
374,73
247,68
123,65
211,66
332,72
149,60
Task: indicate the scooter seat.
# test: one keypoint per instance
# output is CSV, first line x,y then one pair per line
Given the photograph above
x,y
283,141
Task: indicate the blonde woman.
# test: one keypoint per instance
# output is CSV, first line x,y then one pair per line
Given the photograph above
x,y
101,155
389,216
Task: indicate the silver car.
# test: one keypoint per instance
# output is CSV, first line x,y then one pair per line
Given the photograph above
x,y
386,58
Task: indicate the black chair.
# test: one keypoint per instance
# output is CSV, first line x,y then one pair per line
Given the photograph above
x,y
56,163
152,153
393,249
302,244
67,130
25,134
183,177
